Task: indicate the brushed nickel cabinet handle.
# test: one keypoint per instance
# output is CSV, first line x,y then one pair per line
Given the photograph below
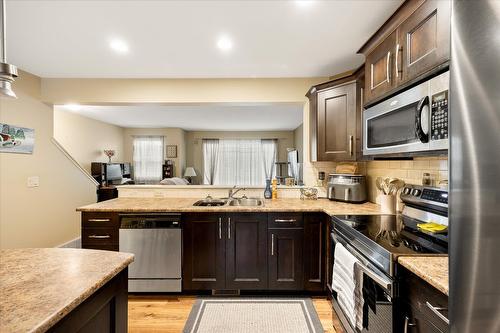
x,y
285,221
396,60
436,309
388,67
228,228
408,324
99,236
99,220
272,244
351,139
220,228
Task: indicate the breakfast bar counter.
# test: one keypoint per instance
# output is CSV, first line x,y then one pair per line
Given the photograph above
x,y
41,288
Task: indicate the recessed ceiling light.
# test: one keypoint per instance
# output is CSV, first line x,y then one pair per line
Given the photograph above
x,y
224,43
119,46
73,107
303,3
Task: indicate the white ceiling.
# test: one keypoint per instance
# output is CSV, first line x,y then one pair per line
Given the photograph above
x,y
206,117
177,39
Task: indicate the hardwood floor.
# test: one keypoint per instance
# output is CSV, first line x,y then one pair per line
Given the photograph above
x,y
167,314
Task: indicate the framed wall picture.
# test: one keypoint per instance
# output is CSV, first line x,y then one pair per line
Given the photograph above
x,y
15,139
171,151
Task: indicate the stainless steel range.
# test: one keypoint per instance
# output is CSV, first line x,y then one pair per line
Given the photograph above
x,y
377,241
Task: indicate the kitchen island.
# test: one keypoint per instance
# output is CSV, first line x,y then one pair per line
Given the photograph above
x,y
431,269
63,290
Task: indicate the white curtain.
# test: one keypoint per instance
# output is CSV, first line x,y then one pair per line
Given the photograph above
x,y
239,161
210,160
148,159
269,156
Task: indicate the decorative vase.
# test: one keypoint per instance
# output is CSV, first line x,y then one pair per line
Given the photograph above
x,y
267,192
109,153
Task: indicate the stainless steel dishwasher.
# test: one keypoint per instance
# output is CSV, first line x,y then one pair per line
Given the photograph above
x,y
156,242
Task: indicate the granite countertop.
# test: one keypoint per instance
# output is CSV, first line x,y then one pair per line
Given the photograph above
x,y
433,270
186,205
38,287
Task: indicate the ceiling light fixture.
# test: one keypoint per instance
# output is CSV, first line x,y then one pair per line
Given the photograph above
x,y
119,46
224,43
303,3
8,72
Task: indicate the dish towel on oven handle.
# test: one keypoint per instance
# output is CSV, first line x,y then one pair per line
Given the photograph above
x,y
347,282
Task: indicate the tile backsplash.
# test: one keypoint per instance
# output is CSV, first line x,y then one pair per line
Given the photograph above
x,y
410,171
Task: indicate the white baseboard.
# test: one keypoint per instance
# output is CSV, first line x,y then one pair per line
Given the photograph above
x,y
73,244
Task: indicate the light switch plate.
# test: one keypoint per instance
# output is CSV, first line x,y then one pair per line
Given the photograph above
x,y
33,181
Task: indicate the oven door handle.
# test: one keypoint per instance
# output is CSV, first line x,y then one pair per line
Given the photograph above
x,y
382,281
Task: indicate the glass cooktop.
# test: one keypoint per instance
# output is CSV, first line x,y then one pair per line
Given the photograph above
x,y
395,233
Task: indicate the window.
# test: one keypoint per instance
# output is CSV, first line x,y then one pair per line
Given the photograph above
x,y
239,161
148,159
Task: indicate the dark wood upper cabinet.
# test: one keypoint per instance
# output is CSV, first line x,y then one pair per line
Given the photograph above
x,y
379,77
285,258
314,251
335,118
246,251
337,123
425,39
413,43
204,253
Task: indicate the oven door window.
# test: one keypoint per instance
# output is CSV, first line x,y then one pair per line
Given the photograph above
x,y
392,128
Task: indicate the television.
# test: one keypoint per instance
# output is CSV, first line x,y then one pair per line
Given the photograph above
x,y
113,172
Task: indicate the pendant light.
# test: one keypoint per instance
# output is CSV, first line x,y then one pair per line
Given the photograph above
x,y
8,72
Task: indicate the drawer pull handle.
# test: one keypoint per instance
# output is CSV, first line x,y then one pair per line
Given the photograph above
x,y
285,221
99,236
272,244
99,220
436,309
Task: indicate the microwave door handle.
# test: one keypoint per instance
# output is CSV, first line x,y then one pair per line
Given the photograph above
x,y
420,131
331,192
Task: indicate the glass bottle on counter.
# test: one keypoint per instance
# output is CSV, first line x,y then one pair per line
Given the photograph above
x,y
268,194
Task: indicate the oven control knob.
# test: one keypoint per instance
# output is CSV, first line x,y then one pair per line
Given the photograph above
x,y
407,190
406,243
416,247
416,192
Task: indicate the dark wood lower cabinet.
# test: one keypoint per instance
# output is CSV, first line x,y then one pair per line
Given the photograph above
x,y
105,311
315,239
203,252
246,256
285,259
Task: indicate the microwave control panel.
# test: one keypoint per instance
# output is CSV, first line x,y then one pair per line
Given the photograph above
x,y
439,116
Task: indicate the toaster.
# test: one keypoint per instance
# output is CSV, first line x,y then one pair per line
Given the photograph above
x,y
347,188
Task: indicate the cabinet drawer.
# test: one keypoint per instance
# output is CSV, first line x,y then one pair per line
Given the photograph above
x,y
284,220
99,235
91,220
418,293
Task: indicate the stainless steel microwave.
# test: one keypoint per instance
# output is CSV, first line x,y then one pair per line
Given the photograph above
x,y
414,121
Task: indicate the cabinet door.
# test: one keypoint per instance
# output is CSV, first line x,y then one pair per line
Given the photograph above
x,y
285,259
379,78
425,39
203,256
246,260
314,252
337,123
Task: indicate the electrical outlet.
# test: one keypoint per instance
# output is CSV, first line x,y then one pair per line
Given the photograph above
x,y
33,181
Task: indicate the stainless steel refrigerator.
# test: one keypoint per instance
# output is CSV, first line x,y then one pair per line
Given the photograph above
x,y
475,167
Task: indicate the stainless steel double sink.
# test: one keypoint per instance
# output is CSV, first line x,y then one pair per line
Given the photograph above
x,y
242,202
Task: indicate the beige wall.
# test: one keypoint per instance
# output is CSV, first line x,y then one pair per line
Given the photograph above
x,y
85,138
194,154
172,136
43,216
410,171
